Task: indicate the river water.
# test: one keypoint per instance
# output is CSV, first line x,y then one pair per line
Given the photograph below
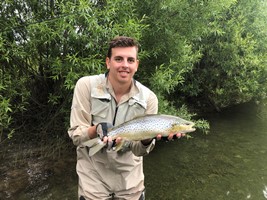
x,y
229,163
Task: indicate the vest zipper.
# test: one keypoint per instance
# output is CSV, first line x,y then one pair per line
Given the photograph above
x,y
115,115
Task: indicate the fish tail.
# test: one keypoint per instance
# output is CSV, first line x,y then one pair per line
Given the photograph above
x,y
94,145
93,150
92,142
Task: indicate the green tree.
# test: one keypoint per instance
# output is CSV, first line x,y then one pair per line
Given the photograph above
x,y
174,42
192,52
46,46
232,69
207,53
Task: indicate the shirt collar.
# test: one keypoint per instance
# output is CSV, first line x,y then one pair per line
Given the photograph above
x,y
134,90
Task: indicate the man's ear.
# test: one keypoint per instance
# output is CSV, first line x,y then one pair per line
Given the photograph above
x,y
137,65
107,62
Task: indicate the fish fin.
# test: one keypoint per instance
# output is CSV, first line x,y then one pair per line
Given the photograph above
x,y
118,146
94,149
92,142
124,145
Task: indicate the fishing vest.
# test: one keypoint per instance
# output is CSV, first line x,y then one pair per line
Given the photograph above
x,y
104,107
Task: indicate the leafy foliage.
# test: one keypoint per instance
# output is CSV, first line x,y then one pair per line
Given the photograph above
x,y
47,46
194,54
206,52
232,70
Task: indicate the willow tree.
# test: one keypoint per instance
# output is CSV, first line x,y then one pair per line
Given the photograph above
x,y
233,67
174,40
45,47
208,53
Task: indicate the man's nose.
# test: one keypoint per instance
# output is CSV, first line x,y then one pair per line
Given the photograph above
x,y
125,63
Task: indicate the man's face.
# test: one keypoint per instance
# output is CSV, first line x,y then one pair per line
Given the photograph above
x,y
123,64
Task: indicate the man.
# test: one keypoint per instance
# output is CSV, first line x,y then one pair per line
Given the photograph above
x,y
114,97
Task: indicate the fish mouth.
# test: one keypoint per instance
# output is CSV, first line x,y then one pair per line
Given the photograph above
x,y
192,129
189,127
183,128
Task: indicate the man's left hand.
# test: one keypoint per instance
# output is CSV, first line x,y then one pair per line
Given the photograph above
x,y
171,136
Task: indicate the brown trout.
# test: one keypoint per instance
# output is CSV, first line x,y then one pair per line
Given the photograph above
x,y
143,127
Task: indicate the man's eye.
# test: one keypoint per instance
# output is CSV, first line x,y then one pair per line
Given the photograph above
x,y
131,60
118,59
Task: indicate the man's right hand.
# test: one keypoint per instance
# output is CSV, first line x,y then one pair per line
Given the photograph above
x,y
102,129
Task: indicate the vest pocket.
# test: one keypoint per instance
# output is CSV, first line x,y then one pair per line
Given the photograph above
x,y
135,109
100,107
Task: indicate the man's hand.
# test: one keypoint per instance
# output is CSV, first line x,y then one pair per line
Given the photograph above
x,y
102,130
171,136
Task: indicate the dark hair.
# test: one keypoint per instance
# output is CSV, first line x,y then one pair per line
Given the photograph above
x,y
122,41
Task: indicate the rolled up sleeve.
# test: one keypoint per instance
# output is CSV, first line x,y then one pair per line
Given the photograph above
x,y
80,117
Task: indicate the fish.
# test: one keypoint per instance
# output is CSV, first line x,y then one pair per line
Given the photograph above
x,y
141,128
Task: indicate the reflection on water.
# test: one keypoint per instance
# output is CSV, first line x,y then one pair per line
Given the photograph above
x,y
228,163
265,192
